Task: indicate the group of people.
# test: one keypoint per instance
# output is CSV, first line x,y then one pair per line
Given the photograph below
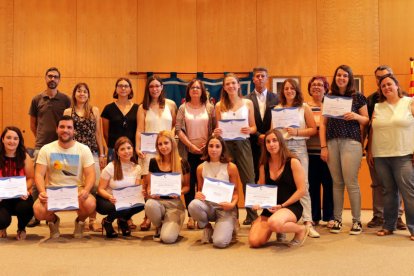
x,y
320,152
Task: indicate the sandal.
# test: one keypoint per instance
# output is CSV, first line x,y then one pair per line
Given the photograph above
x,y
330,224
384,232
3,234
94,226
145,225
412,237
21,235
131,224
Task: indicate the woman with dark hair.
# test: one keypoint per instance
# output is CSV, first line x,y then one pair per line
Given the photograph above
x,y
232,106
14,161
216,165
390,150
291,97
341,147
156,113
120,117
318,172
122,172
195,123
167,213
88,131
278,166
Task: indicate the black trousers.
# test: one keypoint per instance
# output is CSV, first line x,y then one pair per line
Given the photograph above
x,y
23,209
105,207
194,160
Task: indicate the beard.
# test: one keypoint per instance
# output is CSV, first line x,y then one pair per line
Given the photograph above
x,y
52,85
65,140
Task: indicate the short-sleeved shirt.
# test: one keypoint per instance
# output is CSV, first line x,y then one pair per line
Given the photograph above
x,y
338,128
47,111
130,173
65,166
120,125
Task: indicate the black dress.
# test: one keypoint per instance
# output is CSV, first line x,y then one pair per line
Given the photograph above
x,y
285,189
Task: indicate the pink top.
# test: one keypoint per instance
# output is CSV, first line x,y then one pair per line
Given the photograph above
x,y
196,120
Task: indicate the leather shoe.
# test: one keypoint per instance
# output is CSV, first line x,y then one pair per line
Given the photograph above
x,y
401,225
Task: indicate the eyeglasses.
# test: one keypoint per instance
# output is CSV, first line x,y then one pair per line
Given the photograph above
x,y
316,84
154,86
125,122
122,85
195,88
50,76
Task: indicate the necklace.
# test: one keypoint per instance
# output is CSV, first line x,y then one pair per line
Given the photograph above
x,y
215,168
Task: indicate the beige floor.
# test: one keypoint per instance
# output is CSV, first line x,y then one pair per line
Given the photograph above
x,y
332,254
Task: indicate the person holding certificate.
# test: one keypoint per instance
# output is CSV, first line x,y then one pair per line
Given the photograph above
x,y
341,147
156,113
319,173
88,131
167,212
232,106
14,161
216,166
65,163
195,123
278,166
390,150
122,172
291,97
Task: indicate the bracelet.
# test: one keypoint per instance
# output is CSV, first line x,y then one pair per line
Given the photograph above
x,y
324,147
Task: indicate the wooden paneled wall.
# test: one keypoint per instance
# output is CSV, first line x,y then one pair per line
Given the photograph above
x,y
97,41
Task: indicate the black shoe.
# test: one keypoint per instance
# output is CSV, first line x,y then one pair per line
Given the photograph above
x,y
109,229
33,222
401,225
375,222
247,221
123,225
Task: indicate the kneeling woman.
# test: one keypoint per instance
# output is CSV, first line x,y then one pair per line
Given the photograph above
x,y
122,172
217,165
167,213
14,161
279,167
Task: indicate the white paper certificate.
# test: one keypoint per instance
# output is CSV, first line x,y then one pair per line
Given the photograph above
x,y
232,129
13,187
148,142
128,197
62,198
166,184
264,196
285,117
217,191
336,107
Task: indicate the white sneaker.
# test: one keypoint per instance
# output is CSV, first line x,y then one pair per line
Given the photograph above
x,y
207,234
54,228
79,227
313,233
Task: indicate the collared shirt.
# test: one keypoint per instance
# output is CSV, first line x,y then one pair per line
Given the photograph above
x,y
261,100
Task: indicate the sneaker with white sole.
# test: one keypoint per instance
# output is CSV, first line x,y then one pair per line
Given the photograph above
x,y
207,234
337,227
356,228
79,228
313,233
54,228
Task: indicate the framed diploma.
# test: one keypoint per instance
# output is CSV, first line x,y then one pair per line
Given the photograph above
x,y
166,184
128,197
217,191
62,198
13,187
264,196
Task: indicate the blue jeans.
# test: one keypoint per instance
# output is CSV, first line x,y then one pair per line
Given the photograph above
x,y
397,174
298,147
344,161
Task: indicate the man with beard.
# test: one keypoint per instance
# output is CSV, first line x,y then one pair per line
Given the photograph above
x,y
65,162
45,110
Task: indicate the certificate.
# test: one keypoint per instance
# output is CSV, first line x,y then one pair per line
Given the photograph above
x,y
285,117
13,187
128,197
232,129
264,196
336,107
148,142
217,191
62,198
166,184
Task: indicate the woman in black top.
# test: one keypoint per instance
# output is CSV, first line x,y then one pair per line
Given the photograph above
x,y
278,166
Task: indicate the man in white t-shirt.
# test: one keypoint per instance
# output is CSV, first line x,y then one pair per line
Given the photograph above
x,y
65,162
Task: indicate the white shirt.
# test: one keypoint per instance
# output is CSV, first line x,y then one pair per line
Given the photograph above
x,y
261,100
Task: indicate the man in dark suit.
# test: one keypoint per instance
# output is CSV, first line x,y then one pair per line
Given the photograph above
x,y
263,102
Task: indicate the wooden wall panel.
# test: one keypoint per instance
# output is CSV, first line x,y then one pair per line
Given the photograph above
x,y
347,34
6,38
106,38
6,110
287,36
226,35
44,36
167,35
396,33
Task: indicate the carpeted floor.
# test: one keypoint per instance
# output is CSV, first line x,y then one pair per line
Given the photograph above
x,y
332,254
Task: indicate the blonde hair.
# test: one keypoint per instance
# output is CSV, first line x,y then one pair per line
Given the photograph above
x,y
175,157
225,103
